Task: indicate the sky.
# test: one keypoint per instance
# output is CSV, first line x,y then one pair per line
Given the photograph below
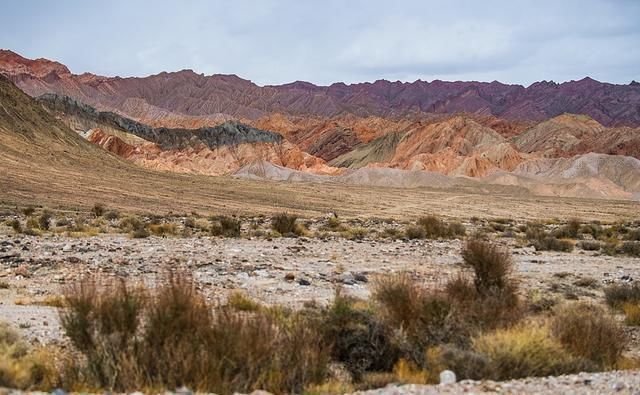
x,y
326,41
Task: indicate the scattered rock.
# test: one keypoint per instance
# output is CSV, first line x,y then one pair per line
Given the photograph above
x,y
447,377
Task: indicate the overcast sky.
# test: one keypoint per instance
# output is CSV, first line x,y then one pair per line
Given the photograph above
x,y
325,41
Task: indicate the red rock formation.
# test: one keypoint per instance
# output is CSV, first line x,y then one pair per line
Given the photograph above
x,y
186,93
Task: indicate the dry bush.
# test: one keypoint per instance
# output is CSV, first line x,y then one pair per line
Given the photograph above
x,y
135,338
552,244
491,264
435,228
489,299
414,232
534,231
590,245
111,215
163,229
419,318
358,339
22,367
44,220
594,229
619,294
98,210
334,224
15,225
286,225
571,230
631,314
225,226
465,362
631,248
241,302
525,350
136,228
28,211
633,235
588,331
355,233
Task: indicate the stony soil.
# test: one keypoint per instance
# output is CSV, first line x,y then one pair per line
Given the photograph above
x,y
620,382
292,271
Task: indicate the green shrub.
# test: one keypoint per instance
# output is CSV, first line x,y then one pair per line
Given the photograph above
x,y
588,331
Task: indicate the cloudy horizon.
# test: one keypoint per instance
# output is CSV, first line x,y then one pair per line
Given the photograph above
x,y
280,41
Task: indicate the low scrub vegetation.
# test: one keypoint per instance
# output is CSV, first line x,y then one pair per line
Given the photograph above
x,y
22,367
432,227
618,295
287,225
136,338
225,226
587,331
128,337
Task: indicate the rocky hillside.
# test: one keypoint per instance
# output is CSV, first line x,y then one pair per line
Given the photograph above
x,y
213,150
185,94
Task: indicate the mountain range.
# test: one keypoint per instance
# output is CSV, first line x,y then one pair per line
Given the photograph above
x,y
578,138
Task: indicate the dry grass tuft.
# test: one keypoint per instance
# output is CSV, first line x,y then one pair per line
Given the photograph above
x,y
523,351
588,331
24,368
225,226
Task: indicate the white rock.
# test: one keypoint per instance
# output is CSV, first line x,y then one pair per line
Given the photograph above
x,y
447,377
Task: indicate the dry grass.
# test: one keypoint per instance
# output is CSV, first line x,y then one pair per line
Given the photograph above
x,y
135,338
225,226
523,351
163,229
491,264
24,368
588,331
286,225
619,294
631,314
